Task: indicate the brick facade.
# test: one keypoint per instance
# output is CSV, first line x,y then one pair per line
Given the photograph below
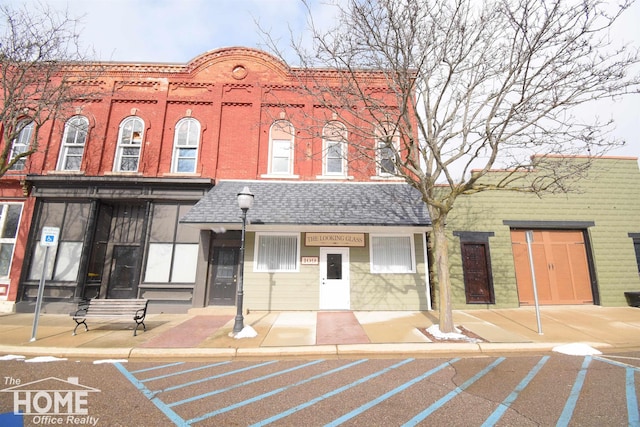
x,y
128,167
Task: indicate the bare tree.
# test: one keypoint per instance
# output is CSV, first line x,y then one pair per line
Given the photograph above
x,y
38,51
476,85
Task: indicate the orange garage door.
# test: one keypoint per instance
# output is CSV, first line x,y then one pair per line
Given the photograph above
x,y
560,264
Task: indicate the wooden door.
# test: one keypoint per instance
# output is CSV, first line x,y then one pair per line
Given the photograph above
x,y
224,276
123,280
560,264
478,285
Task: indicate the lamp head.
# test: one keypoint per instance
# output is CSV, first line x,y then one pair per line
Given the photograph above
x,y
245,199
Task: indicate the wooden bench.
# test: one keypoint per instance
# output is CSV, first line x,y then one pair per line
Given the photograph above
x,y
135,309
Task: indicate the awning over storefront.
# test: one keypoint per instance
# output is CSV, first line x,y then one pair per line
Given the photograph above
x,y
312,204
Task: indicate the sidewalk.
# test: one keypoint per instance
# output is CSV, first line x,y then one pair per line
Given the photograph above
x,y
204,333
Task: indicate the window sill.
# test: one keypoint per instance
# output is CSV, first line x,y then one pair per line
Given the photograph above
x,y
114,173
392,272
182,174
15,173
63,172
386,178
283,176
334,177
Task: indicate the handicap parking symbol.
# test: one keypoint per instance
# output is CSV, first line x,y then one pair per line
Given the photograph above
x,y
49,236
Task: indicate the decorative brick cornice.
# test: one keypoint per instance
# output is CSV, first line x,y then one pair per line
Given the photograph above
x,y
134,101
188,102
237,104
190,85
282,105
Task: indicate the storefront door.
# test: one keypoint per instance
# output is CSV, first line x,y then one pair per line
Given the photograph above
x,y
123,280
335,291
224,275
560,264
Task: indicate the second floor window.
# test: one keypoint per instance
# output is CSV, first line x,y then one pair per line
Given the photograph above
x,y
185,146
281,148
21,144
9,221
334,137
73,140
387,141
129,145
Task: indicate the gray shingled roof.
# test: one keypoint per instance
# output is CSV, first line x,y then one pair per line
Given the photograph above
x,y
313,203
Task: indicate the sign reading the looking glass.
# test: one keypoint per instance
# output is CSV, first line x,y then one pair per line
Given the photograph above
x,y
335,239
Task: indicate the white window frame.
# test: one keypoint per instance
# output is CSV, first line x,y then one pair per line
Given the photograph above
x,y
381,145
329,140
377,269
275,146
20,144
79,125
134,141
256,257
4,210
188,143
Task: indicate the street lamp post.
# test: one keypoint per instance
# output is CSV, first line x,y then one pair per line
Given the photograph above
x,y
245,200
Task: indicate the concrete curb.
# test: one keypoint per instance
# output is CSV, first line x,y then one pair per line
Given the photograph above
x,y
340,350
89,352
181,353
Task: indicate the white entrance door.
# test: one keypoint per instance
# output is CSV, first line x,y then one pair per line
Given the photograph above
x,y
334,279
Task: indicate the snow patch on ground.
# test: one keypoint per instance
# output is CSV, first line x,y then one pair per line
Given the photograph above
x,y
458,335
98,362
12,357
576,349
246,332
41,359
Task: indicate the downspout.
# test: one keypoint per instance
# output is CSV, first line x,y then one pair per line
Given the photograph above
x,y
426,271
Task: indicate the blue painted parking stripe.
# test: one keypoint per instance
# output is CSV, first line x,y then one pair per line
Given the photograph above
x,y
329,394
387,395
435,406
172,374
632,401
148,393
273,392
242,384
502,408
569,407
175,418
153,368
214,377
616,363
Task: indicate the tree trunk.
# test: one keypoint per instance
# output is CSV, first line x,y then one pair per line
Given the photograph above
x,y
441,260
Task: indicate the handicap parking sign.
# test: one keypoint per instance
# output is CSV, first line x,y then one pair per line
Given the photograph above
x,y
49,236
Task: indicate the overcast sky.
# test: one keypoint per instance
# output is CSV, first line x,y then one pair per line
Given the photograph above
x,y
176,31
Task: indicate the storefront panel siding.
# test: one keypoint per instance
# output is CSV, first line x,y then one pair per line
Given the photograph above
x,y
280,290
608,197
300,290
388,291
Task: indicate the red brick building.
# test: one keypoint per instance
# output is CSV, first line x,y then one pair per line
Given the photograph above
x,y
121,176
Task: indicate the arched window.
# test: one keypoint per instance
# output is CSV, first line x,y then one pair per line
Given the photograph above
x,y
21,143
387,145
129,145
281,148
334,148
73,141
185,146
